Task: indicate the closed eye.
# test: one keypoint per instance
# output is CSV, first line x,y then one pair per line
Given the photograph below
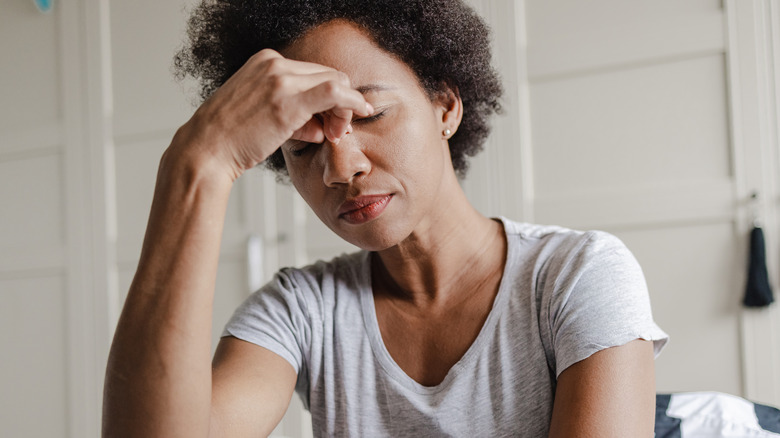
x,y
369,119
303,148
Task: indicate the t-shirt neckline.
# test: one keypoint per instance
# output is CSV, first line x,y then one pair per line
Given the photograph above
x,y
486,333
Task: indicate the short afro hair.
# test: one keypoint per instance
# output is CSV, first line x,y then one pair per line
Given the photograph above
x,y
443,41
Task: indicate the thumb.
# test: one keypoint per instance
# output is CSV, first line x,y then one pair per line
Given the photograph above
x,y
311,132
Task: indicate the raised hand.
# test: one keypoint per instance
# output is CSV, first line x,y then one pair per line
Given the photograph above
x,y
268,101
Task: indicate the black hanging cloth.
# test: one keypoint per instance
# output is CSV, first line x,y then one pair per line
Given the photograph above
x,y
758,293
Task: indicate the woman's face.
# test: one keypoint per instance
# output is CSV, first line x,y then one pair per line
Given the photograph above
x,y
385,180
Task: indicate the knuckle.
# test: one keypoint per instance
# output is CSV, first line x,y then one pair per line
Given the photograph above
x,y
277,107
273,65
268,67
276,80
263,55
278,116
284,114
331,88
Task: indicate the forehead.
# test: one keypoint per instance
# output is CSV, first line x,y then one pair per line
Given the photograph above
x,y
344,46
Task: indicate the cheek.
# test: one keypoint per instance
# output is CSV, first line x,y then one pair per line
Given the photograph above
x,y
417,147
304,180
300,171
305,187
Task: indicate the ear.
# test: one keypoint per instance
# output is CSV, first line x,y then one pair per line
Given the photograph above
x,y
450,107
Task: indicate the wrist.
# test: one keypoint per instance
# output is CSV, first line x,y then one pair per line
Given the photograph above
x,y
199,157
190,163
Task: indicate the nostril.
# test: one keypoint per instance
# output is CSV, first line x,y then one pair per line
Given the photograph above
x,y
344,162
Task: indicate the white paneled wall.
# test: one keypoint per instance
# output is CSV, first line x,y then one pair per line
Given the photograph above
x,y
754,66
34,380
34,293
612,33
637,115
644,126
31,77
652,119
695,279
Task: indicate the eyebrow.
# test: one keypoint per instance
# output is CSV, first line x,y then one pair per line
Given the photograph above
x,y
369,88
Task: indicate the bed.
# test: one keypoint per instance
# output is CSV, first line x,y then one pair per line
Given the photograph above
x,y
713,414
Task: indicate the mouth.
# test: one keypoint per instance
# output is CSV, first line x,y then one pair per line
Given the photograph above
x,y
363,208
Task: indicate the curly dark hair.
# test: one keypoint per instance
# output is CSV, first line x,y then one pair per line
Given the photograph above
x,y
443,41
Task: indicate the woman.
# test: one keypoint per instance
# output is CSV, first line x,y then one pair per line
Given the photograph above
x,y
448,323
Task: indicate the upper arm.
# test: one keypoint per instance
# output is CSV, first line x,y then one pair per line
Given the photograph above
x,y
609,394
251,389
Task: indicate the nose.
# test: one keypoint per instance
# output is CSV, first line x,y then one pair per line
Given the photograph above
x,y
343,162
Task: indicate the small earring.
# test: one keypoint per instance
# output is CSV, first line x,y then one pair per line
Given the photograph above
x,y
446,133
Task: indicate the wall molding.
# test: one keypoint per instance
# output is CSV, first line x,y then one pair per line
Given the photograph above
x,y
681,37
26,260
90,213
632,207
45,139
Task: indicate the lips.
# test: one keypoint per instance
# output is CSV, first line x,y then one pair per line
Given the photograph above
x,y
363,208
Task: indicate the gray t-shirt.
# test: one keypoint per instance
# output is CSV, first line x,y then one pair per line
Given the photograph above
x,y
564,295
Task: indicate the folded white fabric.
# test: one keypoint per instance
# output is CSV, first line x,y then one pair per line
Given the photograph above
x,y
718,415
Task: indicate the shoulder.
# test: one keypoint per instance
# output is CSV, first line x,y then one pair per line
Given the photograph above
x,y
563,248
345,268
567,266
282,315
589,288
306,290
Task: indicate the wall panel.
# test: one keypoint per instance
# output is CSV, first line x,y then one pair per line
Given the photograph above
x,y
693,283
567,36
144,36
31,196
30,70
632,127
32,339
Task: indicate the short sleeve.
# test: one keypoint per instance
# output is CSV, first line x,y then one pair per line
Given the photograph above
x,y
598,299
275,317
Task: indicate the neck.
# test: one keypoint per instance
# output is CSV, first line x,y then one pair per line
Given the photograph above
x,y
447,257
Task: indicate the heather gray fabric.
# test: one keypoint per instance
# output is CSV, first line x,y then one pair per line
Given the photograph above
x,y
564,296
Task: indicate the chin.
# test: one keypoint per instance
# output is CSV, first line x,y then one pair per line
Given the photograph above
x,y
372,236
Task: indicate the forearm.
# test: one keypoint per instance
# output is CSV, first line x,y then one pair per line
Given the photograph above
x,y
159,376
158,380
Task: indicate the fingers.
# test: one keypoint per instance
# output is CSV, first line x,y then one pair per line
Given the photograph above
x,y
336,103
275,62
317,89
336,127
272,99
311,132
307,81
322,90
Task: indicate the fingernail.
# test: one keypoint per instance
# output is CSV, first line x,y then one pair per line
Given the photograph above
x,y
369,108
349,129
